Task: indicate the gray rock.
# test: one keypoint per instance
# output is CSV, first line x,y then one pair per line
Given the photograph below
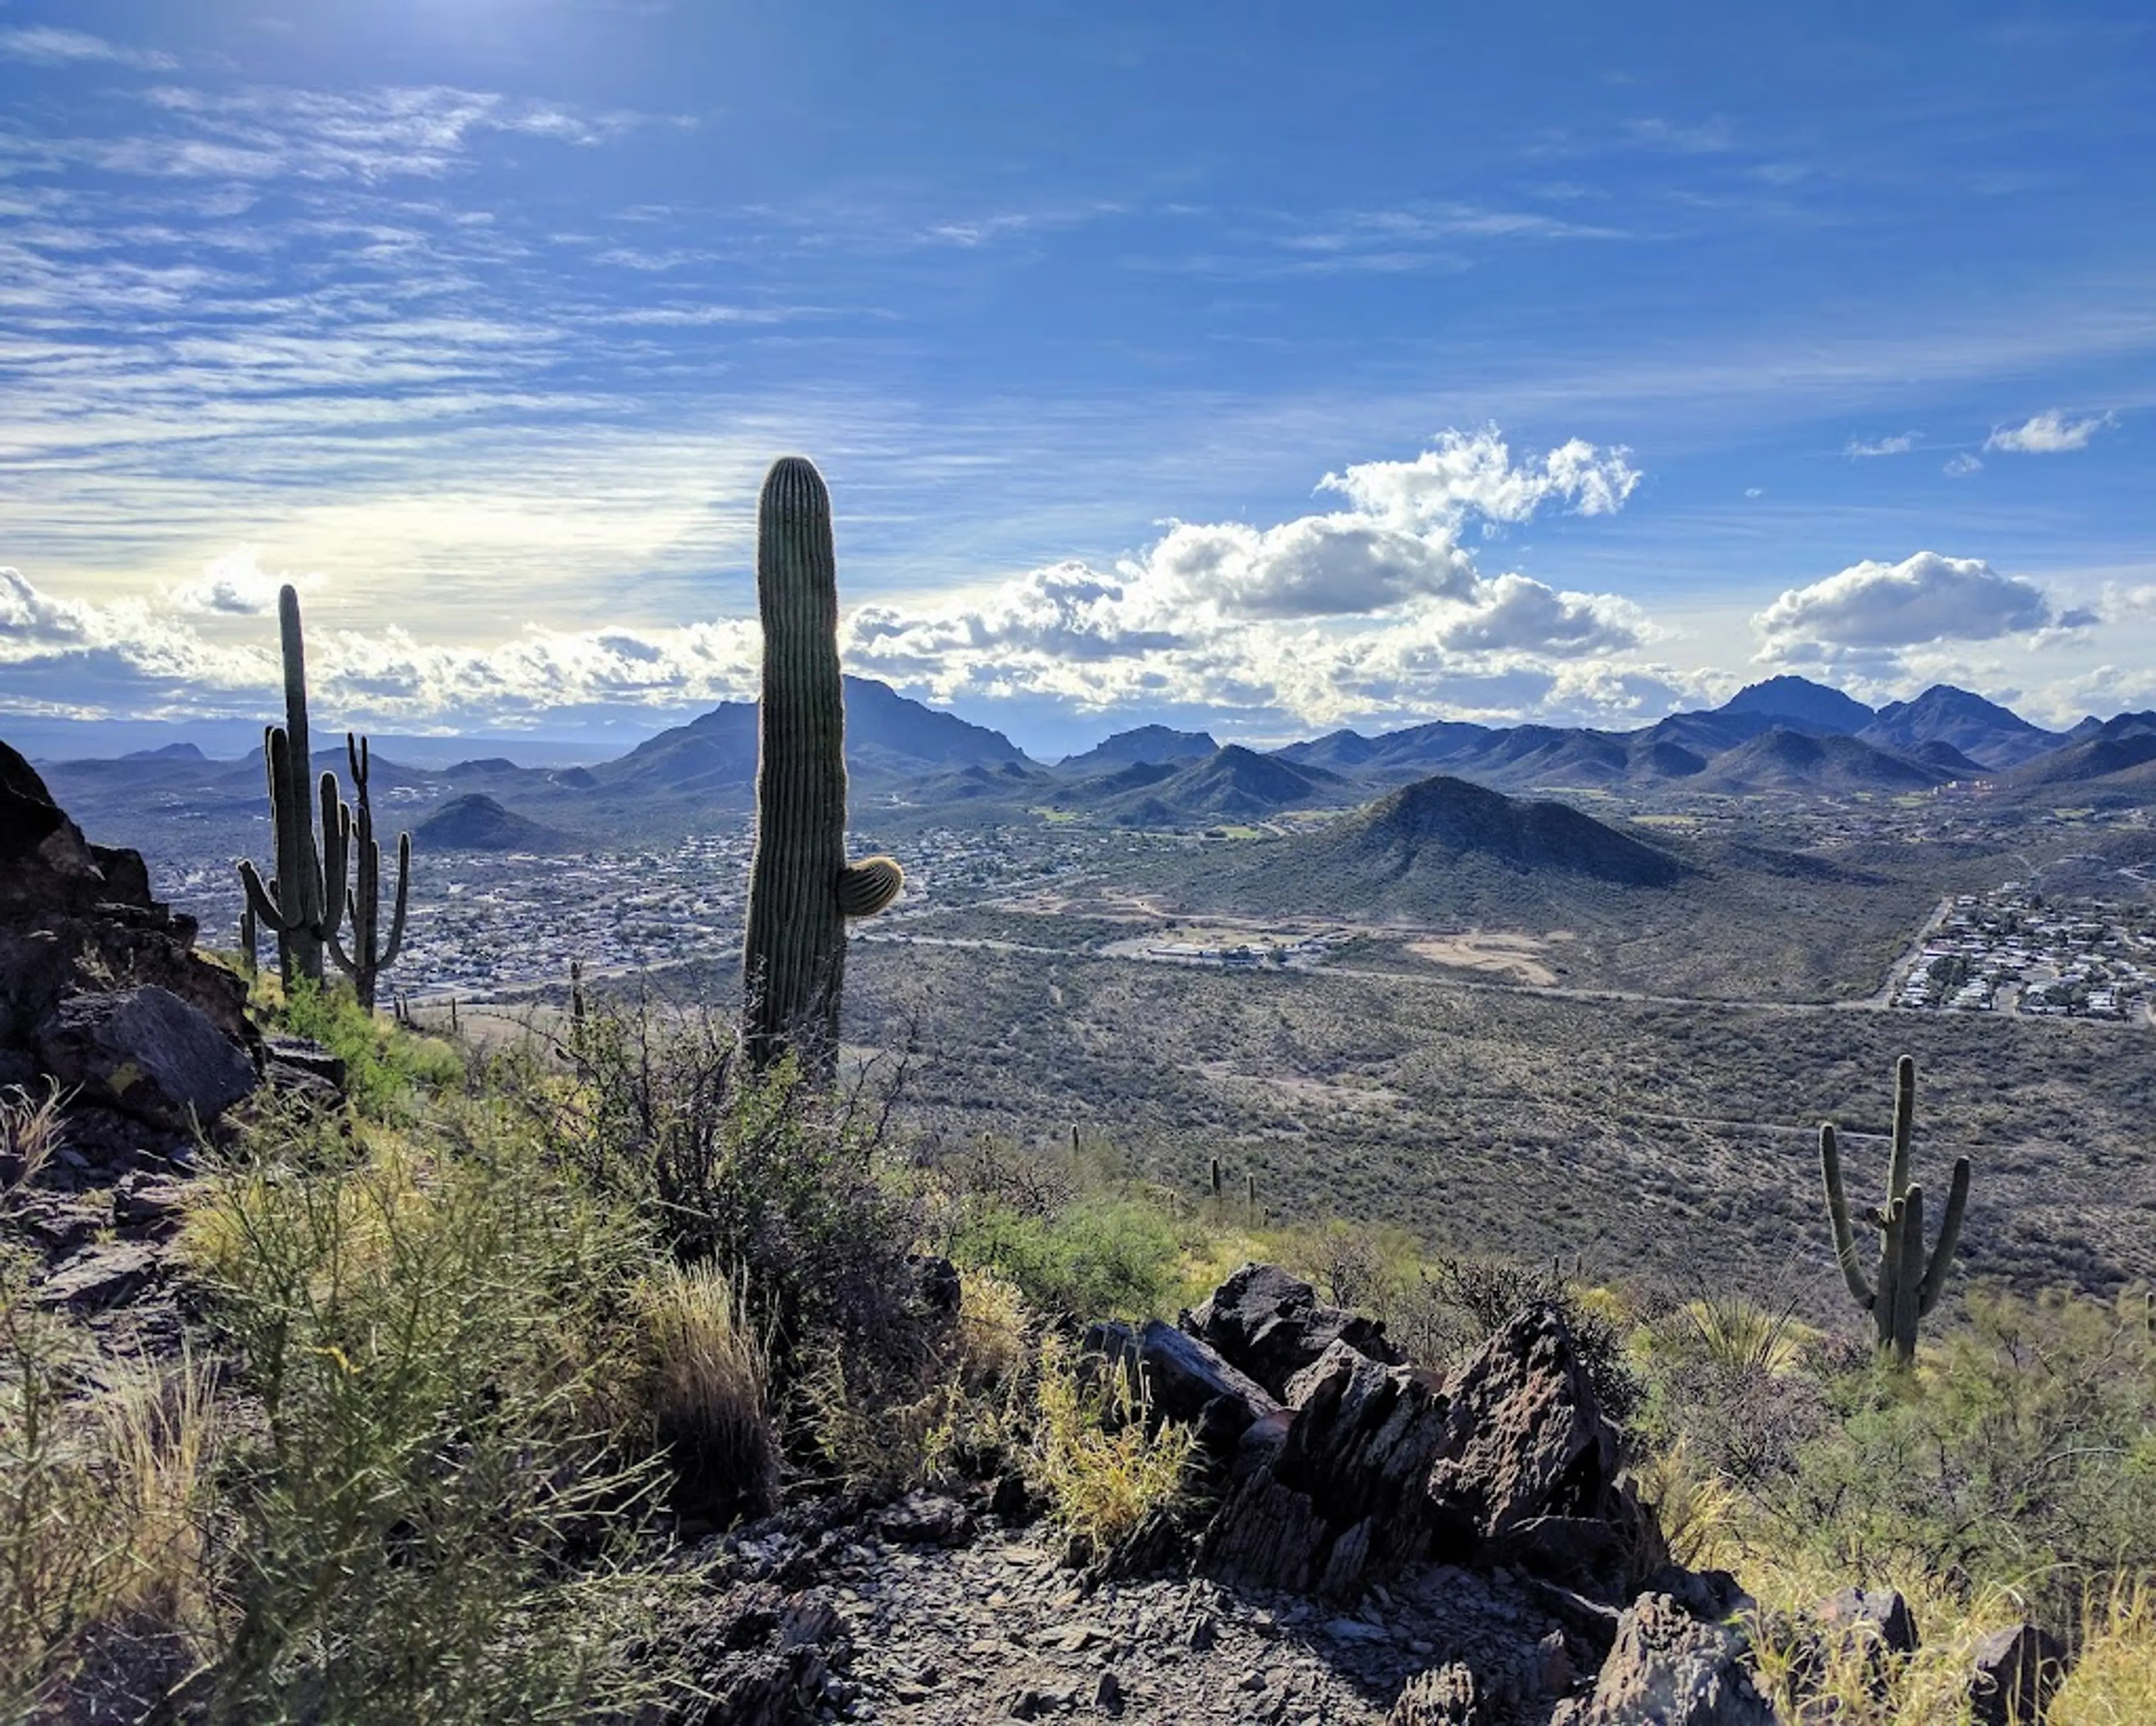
x,y
101,1277
1342,1501
148,1202
1669,1669
303,1054
1444,1697
1523,1439
1878,1614
147,1053
2018,1672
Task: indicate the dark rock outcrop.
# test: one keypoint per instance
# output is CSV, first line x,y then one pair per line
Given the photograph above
x,y
2018,1672
1272,1326
145,1052
95,974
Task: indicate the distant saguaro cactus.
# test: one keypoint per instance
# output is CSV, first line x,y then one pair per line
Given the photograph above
x,y
304,900
370,955
801,888
1904,1285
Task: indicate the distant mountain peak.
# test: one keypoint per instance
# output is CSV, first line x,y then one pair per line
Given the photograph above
x,y
1152,744
1818,707
1996,736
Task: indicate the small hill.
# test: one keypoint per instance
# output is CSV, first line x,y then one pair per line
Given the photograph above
x,y
1800,705
1231,784
1983,730
476,823
1146,743
1444,848
170,752
1437,822
1783,759
977,784
485,767
2114,758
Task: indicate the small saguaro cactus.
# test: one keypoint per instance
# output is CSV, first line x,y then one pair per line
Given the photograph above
x,y
801,888
370,955
248,951
1905,1285
305,899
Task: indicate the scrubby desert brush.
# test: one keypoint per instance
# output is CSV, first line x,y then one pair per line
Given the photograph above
x,y
1104,1464
29,1137
104,1517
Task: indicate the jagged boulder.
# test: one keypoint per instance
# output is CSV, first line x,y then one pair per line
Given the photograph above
x,y
1272,1326
1673,1669
147,1053
1525,1457
100,985
2018,1671
1342,1498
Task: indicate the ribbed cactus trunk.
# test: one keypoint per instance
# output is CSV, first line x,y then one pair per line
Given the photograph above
x,y
305,899
801,890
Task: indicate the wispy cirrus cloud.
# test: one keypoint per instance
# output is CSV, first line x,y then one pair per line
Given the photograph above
x,y
2050,432
1900,443
50,45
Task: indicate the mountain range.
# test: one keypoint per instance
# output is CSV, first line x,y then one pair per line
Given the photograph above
x,y
1784,735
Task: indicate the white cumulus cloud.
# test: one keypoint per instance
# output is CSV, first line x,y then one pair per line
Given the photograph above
x,y
1900,443
236,586
1925,597
2051,432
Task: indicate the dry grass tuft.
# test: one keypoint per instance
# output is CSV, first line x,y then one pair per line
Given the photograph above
x,y
709,1385
1105,1467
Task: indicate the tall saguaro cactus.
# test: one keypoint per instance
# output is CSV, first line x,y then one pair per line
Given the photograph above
x,y
304,900
370,955
801,888
1905,1285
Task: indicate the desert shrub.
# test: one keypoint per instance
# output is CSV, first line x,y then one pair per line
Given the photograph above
x,y
387,1067
1109,1253
30,1132
2022,1451
419,1527
1103,1464
773,1178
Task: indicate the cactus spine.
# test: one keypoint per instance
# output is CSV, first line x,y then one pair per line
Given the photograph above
x,y
1905,1285
370,955
304,900
801,888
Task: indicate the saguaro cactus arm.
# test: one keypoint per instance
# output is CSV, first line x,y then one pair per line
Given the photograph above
x,y
369,955
1935,1273
1837,1207
801,888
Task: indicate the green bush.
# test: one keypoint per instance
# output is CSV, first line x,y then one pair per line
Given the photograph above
x,y
1107,1254
386,1069
419,1531
2022,1454
774,1180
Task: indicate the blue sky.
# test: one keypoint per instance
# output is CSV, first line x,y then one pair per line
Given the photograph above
x,y
1268,367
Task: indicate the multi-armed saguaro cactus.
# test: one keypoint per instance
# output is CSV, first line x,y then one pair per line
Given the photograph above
x,y
1904,1285
304,900
370,955
801,888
